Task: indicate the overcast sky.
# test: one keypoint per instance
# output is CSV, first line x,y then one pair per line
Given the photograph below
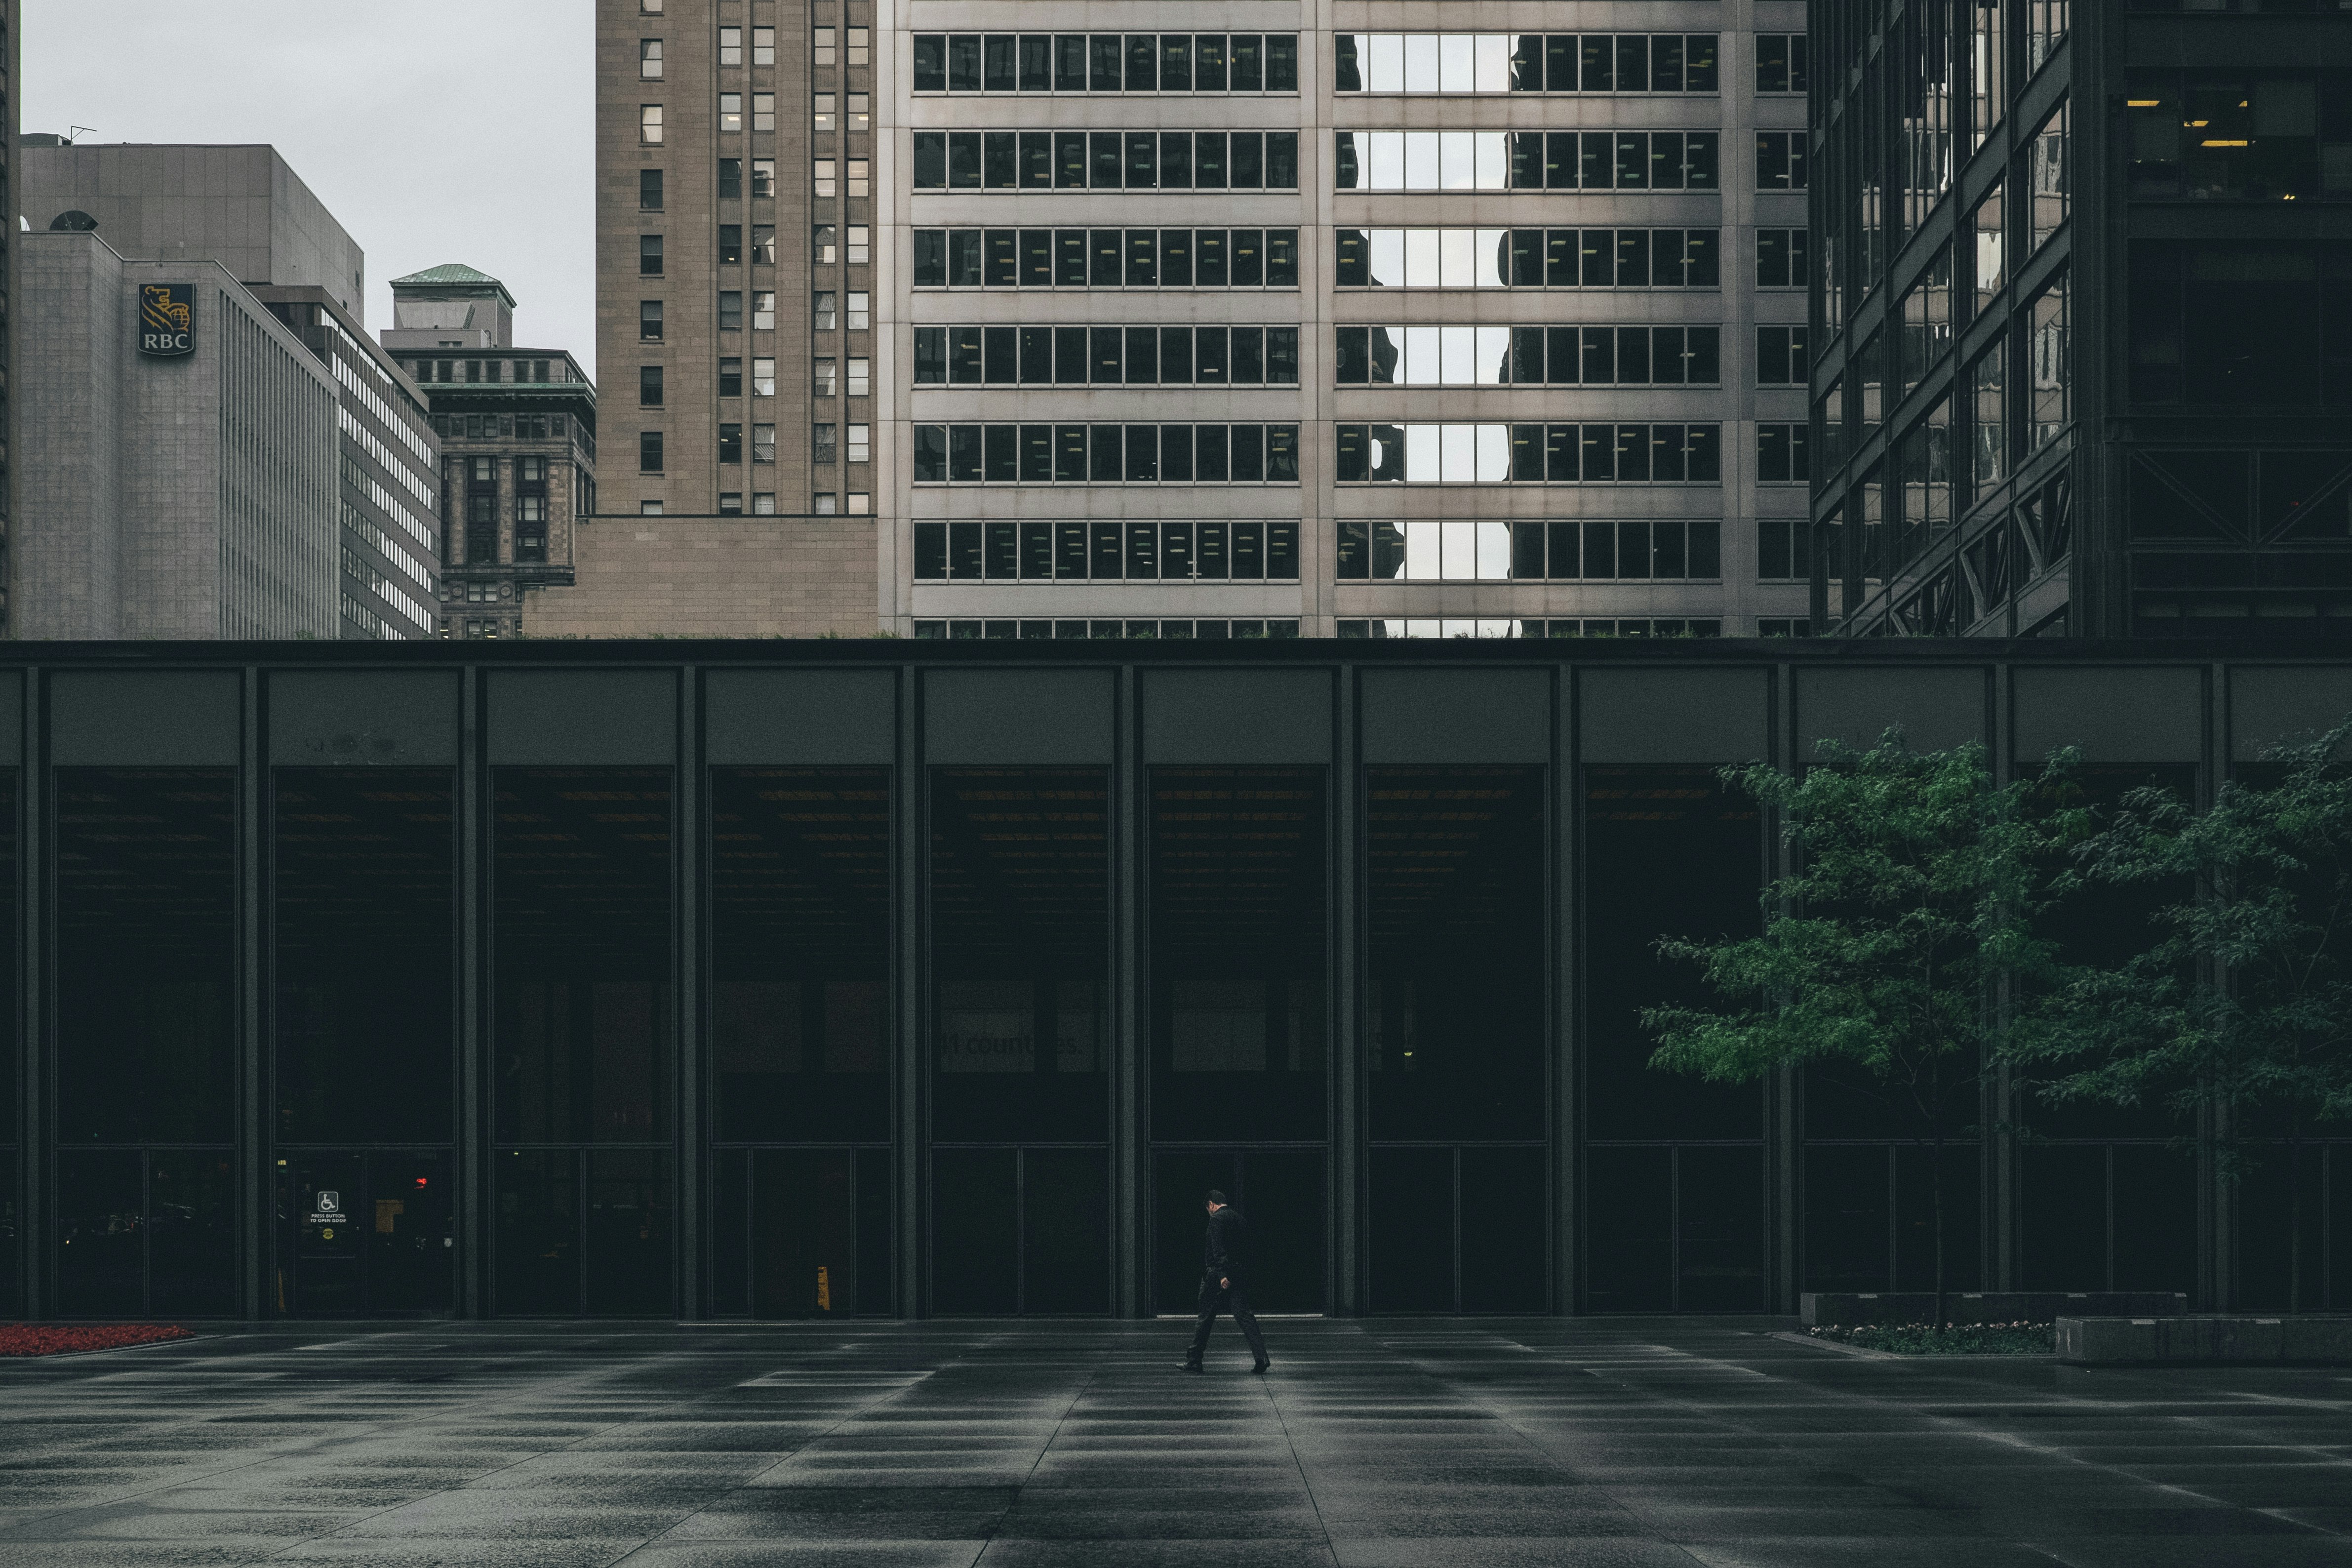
x,y
435,130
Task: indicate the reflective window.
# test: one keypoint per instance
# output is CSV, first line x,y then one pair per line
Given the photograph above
x,y
1237,955
800,889
583,1040
800,1232
1107,454
1671,1225
1525,257
1131,355
1538,454
1453,1006
1464,549
146,865
1454,1031
1526,160
1058,159
1282,1193
1020,947
1529,356
11,1284
1139,549
1106,62
1524,62
1105,258
364,862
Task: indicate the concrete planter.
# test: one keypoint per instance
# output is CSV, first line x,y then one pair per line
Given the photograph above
x,y
1816,1308
2301,1339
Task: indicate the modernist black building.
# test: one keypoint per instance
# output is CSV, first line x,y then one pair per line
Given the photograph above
x,y
2084,310
755,979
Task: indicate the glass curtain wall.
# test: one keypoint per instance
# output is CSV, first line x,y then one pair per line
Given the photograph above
x,y
1455,1039
582,1085
146,1006
365,1040
11,1230
1238,1036
2107,1200
800,1041
1675,1216
1020,947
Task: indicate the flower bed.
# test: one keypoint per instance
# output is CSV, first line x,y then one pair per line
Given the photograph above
x,y
1952,1339
34,1339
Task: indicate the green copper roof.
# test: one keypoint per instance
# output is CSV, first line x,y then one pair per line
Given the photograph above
x,y
451,275
448,272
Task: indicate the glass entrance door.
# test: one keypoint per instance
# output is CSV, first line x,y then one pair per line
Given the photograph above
x,y
365,1234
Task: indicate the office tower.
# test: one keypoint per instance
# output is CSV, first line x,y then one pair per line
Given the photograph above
x,y
1225,333
10,52
2087,312
1498,353
198,212
178,446
736,157
518,435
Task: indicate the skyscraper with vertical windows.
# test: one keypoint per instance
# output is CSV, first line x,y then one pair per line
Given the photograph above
x,y
1215,333
2085,308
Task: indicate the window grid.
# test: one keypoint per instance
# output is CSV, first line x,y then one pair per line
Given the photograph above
x,y
1526,160
1070,355
1105,454
1097,551
1527,454
1156,630
1526,258
1524,62
1557,549
1105,160
1078,63
1528,356
1105,258
1644,626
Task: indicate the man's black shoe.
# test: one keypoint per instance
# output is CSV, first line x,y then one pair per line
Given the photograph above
x,y
1262,1366
1189,1367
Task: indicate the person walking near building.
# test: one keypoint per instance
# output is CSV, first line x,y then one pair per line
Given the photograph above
x,y
1224,1261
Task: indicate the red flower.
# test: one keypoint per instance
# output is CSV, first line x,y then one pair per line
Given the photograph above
x,y
39,1339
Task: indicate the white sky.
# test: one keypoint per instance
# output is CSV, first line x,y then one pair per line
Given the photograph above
x,y
433,130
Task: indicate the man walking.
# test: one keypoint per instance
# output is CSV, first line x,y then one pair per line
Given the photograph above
x,y
1224,1258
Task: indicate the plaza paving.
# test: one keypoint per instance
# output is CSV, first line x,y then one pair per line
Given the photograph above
x,y
1042,1444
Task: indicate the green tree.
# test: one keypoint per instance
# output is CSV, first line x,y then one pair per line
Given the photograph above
x,y
2243,1006
1918,885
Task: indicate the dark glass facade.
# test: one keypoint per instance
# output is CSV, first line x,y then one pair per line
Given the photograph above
x,y
2083,318
756,980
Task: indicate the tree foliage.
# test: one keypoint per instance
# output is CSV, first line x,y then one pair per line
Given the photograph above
x,y
1898,946
2243,1006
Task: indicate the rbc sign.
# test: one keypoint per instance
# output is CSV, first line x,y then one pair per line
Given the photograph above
x,y
167,320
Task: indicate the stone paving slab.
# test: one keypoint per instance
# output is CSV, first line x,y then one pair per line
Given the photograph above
x,y
1421,1444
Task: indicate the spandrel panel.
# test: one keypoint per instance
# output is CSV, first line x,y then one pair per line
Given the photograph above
x,y
1238,953
1020,944
146,955
581,938
363,913
1453,1015
800,887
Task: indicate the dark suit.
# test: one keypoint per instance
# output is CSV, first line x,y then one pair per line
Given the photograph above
x,y
1224,1254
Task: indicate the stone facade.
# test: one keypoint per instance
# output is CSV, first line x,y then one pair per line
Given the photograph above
x,y
390,491
714,577
9,56
721,219
190,497
241,206
518,431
